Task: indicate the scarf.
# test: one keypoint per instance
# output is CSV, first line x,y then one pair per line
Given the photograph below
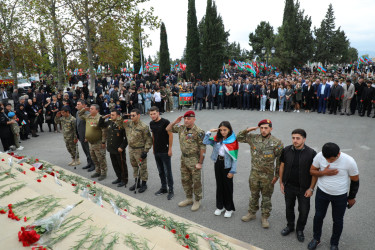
x,y
230,145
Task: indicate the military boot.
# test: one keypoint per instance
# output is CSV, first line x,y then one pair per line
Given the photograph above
x,y
71,163
143,187
196,206
186,202
102,177
132,188
265,223
248,217
76,162
95,175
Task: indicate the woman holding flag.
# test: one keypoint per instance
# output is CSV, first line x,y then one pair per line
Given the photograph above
x,y
224,154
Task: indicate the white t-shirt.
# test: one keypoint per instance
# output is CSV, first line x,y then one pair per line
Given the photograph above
x,y
336,184
157,97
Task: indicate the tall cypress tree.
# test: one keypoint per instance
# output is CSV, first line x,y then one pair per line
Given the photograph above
x,y
214,39
164,64
192,41
137,51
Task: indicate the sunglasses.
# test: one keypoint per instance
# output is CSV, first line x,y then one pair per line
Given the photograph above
x,y
133,115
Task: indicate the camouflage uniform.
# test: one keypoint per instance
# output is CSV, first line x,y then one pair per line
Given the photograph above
x,y
96,136
139,140
16,133
69,130
169,100
191,143
264,151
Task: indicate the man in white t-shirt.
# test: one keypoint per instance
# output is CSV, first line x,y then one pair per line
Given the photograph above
x,y
336,171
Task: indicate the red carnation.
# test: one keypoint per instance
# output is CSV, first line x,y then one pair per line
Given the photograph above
x,y
39,180
28,237
88,185
37,159
2,160
2,211
173,231
74,184
32,168
94,182
10,206
52,173
45,176
21,164
24,172
187,236
125,210
25,219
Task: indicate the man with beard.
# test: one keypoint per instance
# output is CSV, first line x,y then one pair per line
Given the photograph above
x,y
265,148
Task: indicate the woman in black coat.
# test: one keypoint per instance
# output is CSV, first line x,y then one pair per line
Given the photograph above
x,y
23,121
308,94
32,116
6,134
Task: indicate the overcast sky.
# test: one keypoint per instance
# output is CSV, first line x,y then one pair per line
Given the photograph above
x,y
242,17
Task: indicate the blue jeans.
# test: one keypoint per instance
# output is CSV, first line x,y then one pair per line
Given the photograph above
x,y
163,162
338,203
263,102
175,102
198,100
281,103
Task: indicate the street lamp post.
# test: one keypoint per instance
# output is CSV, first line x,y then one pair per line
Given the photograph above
x,y
266,56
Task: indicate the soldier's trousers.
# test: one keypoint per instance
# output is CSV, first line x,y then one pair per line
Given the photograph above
x,y
191,180
119,165
71,146
135,155
260,183
97,154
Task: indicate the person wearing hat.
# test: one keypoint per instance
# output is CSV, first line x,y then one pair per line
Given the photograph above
x,y
15,130
265,149
192,156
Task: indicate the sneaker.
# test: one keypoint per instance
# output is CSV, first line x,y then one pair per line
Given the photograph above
x,y
313,244
219,211
228,214
294,111
248,217
161,191
297,111
170,195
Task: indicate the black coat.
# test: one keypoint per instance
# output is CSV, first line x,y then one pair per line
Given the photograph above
x,y
5,131
116,137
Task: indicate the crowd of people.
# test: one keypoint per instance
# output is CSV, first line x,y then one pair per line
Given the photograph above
x,y
109,119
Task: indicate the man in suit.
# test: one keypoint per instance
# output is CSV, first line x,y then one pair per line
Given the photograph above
x,y
199,95
348,95
220,93
323,94
81,131
116,144
210,94
3,96
336,96
247,88
239,94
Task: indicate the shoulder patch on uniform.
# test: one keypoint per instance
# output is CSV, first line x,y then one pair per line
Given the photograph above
x,y
201,135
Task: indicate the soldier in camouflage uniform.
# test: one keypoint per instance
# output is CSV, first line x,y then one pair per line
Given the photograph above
x,y
96,135
265,148
163,95
169,99
68,124
192,156
140,142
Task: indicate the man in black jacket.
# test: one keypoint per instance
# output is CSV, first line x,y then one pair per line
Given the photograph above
x,y
296,181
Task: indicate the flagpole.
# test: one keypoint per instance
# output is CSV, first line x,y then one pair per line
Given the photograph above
x,y
140,51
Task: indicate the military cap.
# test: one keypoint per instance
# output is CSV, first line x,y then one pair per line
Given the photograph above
x,y
265,121
189,113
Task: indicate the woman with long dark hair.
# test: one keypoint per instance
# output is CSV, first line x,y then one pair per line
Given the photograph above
x,y
224,154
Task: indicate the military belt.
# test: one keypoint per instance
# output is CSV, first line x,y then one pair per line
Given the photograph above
x,y
136,147
190,155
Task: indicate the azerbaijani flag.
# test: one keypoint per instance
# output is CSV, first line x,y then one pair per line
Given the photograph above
x,y
296,71
23,122
321,69
230,145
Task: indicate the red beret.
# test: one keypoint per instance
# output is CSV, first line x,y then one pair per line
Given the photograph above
x,y
265,121
189,113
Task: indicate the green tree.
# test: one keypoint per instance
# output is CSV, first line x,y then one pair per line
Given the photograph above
x,y
45,64
214,39
164,63
352,54
192,52
137,46
263,36
294,42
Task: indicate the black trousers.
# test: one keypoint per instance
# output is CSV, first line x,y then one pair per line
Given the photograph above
x,y
7,142
119,165
224,187
292,194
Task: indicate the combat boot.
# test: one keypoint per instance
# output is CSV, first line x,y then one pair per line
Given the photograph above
x,y
95,175
72,163
102,177
248,217
186,202
132,188
196,206
143,187
265,223
76,162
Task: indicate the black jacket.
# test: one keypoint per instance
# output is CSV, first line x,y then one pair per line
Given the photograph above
x,y
116,137
305,160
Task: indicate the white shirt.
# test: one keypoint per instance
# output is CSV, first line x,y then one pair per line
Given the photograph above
x,y
336,184
322,89
222,150
157,97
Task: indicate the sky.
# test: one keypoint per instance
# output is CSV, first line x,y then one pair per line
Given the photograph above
x,y
241,17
